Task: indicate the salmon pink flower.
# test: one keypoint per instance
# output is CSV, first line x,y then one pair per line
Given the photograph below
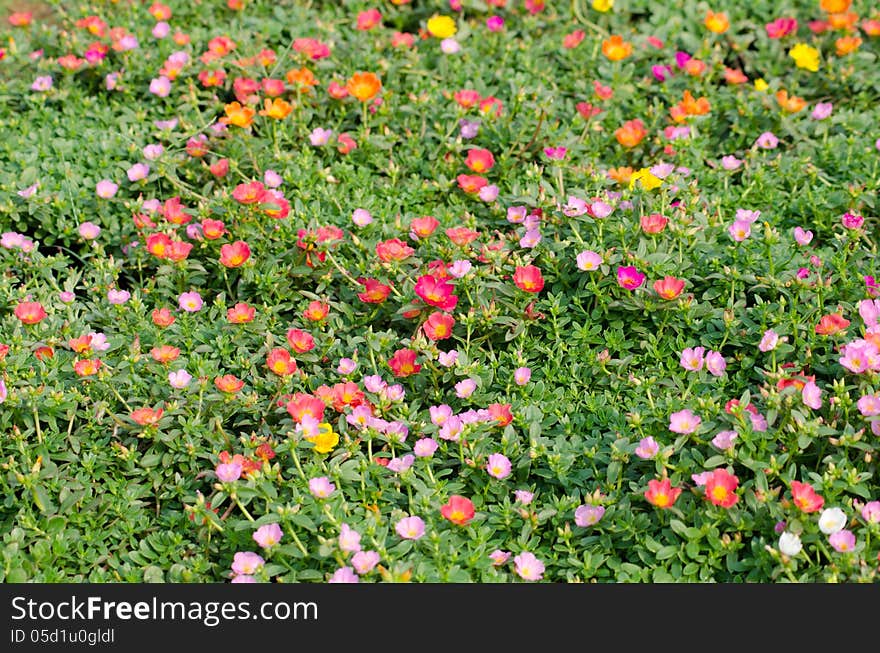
x,y
228,383
234,255
471,184
241,313
374,292
147,416
393,249
438,326
87,367
300,341
316,311
805,497
781,27
831,324
629,277
669,287
721,488
30,312
661,493
458,509
280,361
653,223
162,317
500,414
479,160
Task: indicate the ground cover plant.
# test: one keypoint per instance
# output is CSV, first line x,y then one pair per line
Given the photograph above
x,y
439,291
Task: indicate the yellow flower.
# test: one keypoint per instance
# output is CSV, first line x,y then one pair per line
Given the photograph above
x,y
603,5
441,27
647,179
326,439
761,85
805,56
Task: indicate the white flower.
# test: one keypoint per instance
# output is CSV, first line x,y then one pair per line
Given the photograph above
x,y
832,520
790,544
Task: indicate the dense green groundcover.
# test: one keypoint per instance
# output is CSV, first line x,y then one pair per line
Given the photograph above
x,y
561,291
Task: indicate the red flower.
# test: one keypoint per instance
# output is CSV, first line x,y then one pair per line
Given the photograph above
x,y
374,292
173,211
459,510
436,292
234,255
661,493
403,363
805,497
438,326
528,278
466,98
721,488
574,39
30,312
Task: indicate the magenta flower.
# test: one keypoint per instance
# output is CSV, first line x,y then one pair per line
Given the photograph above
x,y
647,448
364,561
268,535
528,567
410,528
247,563
684,421
851,221
629,277
498,465
494,23
811,395
344,575
190,302
588,515
321,487
228,472
555,153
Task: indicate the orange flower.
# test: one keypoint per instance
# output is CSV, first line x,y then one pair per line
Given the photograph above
x,y
316,311
621,174
831,324
689,106
238,115
835,6
695,67
303,78
241,313
165,353
87,367
716,22
631,133
843,21
847,44
615,48
277,108
669,287
871,27
364,86
734,76
791,104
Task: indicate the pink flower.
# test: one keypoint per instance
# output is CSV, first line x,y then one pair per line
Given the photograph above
x,y
89,230
740,230
692,358
498,465
364,561
160,86
769,340
802,237
871,512
648,448
869,405
321,487
138,172
588,261
425,447
724,439
494,23
811,395
247,563
118,296
268,535
410,528
401,463
843,541
344,575
822,110
555,153
228,472
524,496
684,421
851,221
190,302
349,539
499,557
869,310
767,141
528,567
361,217
179,379
465,388
629,277
106,189
521,375
588,515
715,363
730,162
